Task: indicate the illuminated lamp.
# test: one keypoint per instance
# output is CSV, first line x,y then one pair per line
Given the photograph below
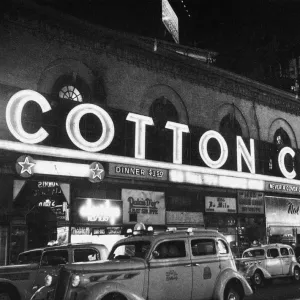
x,y
73,130
129,231
139,227
281,156
75,280
48,280
214,164
150,228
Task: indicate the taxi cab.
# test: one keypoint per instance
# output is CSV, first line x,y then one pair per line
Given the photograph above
x,y
190,264
267,262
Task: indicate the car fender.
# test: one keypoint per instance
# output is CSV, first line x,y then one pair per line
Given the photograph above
x,y
292,267
97,291
224,278
252,269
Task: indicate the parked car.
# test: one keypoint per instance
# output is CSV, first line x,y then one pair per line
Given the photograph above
x,y
21,281
178,265
267,262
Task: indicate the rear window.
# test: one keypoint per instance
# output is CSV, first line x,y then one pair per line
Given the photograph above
x,y
254,253
29,257
203,247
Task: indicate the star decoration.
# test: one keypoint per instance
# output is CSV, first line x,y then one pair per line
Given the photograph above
x,y
97,172
26,166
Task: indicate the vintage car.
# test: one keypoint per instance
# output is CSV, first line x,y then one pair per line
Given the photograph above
x,y
261,263
189,264
21,281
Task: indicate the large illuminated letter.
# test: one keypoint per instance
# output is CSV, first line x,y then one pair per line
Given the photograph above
x,y
241,150
73,130
283,152
140,132
215,164
14,110
178,129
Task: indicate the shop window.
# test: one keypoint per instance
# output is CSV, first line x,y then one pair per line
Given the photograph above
x,y
273,253
203,247
281,138
222,247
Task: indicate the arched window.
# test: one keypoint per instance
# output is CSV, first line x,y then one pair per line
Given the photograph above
x,y
160,139
281,138
70,92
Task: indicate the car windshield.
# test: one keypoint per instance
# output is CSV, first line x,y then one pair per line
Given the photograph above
x,y
254,253
130,249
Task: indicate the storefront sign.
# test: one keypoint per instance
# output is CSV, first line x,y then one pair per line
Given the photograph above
x,y
250,202
283,188
220,204
14,113
282,211
96,211
121,170
183,217
80,230
143,206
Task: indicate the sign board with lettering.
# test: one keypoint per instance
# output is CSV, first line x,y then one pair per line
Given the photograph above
x,y
220,204
137,172
282,211
92,211
170,20
183,217
147,207
282,188
250,202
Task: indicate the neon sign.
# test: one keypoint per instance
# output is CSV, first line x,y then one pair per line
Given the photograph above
x,y
20,99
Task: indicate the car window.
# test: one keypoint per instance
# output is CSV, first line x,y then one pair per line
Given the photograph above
x,y
203,247
130,249
291,251
171,249
222,247
55,258
273,252
30,257
88,254
284,251
254,253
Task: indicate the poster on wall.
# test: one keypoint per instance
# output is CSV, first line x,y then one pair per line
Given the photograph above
x,y
250,202
147,207
220,204
282,211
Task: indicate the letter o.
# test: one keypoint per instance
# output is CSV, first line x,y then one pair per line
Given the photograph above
x,y
73,130
215,164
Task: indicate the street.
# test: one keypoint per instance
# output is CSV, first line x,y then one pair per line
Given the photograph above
x,y
284,289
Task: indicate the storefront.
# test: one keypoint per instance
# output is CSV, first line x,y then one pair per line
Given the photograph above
x,y
282,213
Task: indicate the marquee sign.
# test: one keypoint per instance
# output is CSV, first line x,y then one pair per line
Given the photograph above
x,y
89,150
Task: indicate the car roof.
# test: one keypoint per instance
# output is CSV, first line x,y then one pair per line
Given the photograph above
x,y
267,246
205,233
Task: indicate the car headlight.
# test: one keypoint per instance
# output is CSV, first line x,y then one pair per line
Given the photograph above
x,y
75,280
48,280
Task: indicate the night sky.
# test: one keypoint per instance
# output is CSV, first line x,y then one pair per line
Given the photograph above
x,y
249,35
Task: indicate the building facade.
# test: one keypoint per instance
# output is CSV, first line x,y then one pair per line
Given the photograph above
x,y
100,130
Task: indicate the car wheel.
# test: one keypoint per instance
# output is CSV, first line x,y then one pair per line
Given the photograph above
x,y
233,293
5,296
257,278
296,275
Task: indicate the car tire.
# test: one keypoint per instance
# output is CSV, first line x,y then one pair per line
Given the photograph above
x,y
7,295
258,279
296,274
233,293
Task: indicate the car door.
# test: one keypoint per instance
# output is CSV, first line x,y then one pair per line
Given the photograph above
x,y
205,267
50,263
273,262
170,273
285,259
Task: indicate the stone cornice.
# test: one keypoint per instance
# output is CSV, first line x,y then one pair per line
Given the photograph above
x,y
131,49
